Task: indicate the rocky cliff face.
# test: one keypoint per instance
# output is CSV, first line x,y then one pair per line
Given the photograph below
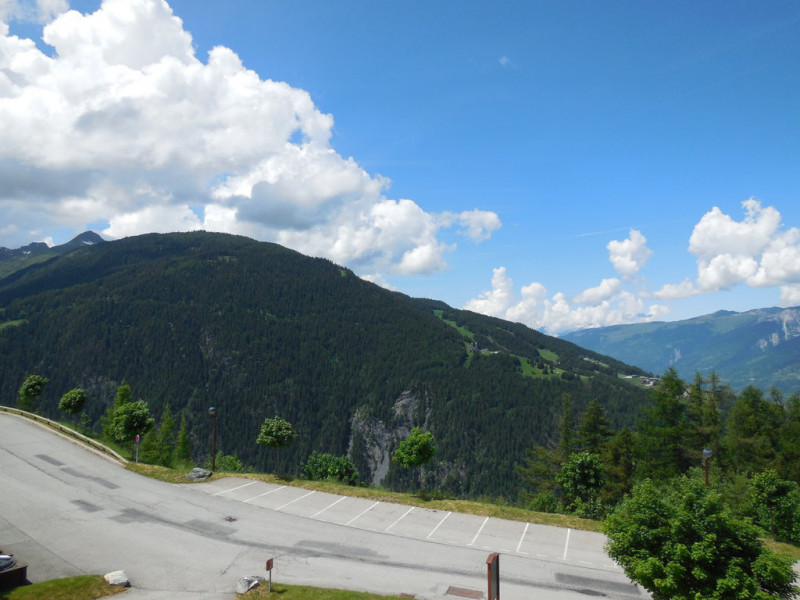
x,y
786,327
373,441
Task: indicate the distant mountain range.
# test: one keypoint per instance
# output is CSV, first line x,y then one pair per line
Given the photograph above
x,y
758,347
200,319
19,258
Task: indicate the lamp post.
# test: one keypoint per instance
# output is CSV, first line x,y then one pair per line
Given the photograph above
x,y
707,454
213,412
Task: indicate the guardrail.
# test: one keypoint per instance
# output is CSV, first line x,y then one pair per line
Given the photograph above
x,y
65,431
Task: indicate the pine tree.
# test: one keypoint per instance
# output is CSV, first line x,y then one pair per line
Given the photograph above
x,y
594,429
166,438
183,449
619,463
666,432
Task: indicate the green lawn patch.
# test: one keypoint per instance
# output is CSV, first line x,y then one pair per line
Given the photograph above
x,y
463,331
83,587
548,355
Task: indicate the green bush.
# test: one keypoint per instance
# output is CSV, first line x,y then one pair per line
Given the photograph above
x,y
320,467
775,506
226,463
546,502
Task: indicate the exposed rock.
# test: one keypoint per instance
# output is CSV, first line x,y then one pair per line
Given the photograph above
x,y
248,582
379,438
198,474
118,578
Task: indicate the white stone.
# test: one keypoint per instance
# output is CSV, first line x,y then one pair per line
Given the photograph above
x,y
118,578
248,582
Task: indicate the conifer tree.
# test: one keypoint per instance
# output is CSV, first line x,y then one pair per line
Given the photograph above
x,y
594,429
183,448
666,432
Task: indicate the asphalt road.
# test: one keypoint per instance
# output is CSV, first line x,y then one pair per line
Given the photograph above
x,y
67,511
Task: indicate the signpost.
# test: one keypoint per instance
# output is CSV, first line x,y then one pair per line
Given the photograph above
x,y
138,439
493,576
269,570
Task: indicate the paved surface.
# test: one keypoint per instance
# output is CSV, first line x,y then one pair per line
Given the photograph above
x,y
68,511
455,529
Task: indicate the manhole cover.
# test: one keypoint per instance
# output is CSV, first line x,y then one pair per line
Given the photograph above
x,y
463,592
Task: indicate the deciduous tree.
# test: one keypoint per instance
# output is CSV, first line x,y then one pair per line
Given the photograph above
x,y
276,433
72,402
416,450
30,392
131,419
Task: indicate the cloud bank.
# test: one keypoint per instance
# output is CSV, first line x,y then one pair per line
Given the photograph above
x,y
756,251
124,126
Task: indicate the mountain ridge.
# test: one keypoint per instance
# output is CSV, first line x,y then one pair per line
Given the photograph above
x,y
12,260
759,347
203,319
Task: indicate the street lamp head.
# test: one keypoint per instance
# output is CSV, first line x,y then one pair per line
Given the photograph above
x,y
213,411
707,453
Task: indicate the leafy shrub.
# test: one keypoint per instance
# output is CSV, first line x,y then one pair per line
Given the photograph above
x,y
775,506
545,502
226,463
320,467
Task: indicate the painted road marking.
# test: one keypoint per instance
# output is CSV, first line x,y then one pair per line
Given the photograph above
x,y
486,520
319,512
295,500
566,545
238,487
363,512
440,522
400,519
265,493
523,536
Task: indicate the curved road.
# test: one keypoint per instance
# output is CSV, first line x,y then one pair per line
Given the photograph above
x,y
67,511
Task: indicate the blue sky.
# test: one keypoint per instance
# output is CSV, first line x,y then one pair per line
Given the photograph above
x,y
554,163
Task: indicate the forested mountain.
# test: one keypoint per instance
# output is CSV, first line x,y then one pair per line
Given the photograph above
x,y
19,258
758,347
196,320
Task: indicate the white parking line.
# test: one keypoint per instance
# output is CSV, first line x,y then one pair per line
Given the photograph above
x,y
400,519
472,543
523,536
238,487
366,510
440,522
295,500
566,545
319,512
264,494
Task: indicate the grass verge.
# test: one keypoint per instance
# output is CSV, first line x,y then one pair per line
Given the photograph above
x,y
83,587
304,592
783,549
483,509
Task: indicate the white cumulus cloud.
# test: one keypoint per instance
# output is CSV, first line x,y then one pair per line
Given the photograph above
x,y
756,251
604,305
629,256
123,124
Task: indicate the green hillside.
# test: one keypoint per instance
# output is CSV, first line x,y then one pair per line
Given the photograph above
x,y
758,347
199,319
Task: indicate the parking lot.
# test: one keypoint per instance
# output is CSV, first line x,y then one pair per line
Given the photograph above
x,y
488,533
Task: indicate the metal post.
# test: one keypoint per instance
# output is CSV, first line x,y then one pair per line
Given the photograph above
x,y
493,576
213,412
268,567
